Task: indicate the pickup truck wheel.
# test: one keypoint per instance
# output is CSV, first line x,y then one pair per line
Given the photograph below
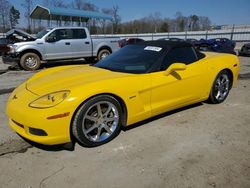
x,y
30,61
102,54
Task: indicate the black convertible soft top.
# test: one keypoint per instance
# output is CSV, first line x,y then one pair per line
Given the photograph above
x,y
165,44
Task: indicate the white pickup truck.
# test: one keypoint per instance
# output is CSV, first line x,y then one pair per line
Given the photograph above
x,y
59,43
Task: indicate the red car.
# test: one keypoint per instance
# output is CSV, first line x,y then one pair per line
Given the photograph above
x,y
124,42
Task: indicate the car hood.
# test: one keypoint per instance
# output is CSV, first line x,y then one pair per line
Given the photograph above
x,y
66,77
20,33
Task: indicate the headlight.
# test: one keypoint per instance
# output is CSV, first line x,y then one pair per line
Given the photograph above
x,y
12,48
50,100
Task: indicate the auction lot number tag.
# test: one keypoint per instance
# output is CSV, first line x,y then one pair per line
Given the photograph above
x,y
153,48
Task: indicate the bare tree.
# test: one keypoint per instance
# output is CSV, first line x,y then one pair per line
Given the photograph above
x,y
28,5
4,12
78,4
154,23
205,23
194,22
116,18
103,21
46,3
59,3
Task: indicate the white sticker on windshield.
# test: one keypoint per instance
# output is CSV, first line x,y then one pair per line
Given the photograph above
x,y
153,48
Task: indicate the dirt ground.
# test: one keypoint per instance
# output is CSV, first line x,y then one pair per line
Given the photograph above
x,y
202,145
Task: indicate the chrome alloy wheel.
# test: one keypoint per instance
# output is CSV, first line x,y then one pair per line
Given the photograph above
x,y
100,121
31,62
221,87
105,54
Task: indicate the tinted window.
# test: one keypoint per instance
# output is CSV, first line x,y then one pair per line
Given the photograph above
x,y
79,34
62,34
179,55
132,59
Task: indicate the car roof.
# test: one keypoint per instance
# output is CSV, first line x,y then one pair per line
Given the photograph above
x,y
165,44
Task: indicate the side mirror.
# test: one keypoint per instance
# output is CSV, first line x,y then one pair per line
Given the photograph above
x,y
175,67
51,39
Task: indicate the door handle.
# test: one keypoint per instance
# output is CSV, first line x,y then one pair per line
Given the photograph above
x,y
67,43
87,42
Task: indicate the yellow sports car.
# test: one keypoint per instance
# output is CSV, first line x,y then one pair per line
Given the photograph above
x,y
91,103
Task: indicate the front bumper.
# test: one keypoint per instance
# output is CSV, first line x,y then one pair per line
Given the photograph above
x,y
32,123
11,58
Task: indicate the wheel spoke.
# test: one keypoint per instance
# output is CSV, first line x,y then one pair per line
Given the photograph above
x,y
90,129
99,110
98,134
108,110
110,119
91,118
223,80
107,129
218,94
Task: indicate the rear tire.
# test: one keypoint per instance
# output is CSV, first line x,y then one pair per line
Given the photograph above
x,y
97,121
221,87
102,54
30,61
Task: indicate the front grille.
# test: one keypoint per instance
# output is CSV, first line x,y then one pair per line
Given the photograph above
x,y
18,124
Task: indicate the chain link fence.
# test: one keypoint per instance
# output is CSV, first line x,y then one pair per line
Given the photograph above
x,y
238,34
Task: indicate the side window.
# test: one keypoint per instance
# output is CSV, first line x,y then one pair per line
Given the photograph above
x,y
61,34
79,34
184,55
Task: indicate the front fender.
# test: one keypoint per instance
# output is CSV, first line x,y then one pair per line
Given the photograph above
x,y
21,49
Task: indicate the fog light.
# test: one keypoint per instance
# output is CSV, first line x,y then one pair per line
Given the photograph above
x,y
37,132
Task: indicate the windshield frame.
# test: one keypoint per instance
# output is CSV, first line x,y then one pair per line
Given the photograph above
x,y
42,33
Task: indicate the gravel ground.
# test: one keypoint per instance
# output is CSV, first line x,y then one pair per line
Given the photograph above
x,y
200,146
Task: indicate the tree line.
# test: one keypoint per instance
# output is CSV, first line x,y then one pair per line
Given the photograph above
x,y
9,18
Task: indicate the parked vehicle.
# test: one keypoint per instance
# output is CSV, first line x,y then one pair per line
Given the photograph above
x,y
245,50
223,45
13,36
171,39
4,45
137,82
124,42
59,44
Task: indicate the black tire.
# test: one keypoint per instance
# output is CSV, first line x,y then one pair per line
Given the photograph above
x,y
30,61
88,123
220,88
102,54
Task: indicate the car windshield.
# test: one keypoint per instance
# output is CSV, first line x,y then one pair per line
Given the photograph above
x,y
132,59
40,34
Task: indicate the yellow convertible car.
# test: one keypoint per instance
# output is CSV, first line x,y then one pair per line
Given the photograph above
x,y
91,103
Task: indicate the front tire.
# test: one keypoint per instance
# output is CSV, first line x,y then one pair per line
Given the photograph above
x,y
221,87
97,121
30,62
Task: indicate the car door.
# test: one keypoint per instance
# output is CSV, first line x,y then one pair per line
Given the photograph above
x,y
57,45
179,88
80,44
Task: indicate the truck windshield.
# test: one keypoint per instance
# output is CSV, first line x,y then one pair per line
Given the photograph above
x,y
132,59
42,33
